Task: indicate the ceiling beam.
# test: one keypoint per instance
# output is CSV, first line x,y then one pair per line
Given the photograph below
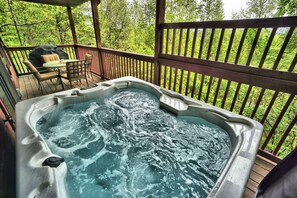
x,y
67,3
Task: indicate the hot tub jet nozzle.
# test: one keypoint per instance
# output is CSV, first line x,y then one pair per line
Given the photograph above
x,y
53,162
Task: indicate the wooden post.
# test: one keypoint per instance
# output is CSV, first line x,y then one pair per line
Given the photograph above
x,y
160,17
94,4
71,22
72,27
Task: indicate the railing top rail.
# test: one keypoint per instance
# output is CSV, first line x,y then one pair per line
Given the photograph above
x,y
128,54
87,46
14,48
245,23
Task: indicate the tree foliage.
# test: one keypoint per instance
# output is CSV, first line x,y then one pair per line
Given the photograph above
x,y
129,25
257,9
287,8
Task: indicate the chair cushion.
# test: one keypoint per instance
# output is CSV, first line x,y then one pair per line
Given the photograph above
x,y
50,57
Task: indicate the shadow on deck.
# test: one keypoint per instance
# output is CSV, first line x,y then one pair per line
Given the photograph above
x,y
29,86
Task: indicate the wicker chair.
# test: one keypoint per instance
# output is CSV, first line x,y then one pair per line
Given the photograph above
x,y
76,71
40,77
88,58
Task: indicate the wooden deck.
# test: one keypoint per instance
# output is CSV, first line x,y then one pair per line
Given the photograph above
x,y
29,89
29,86
261,168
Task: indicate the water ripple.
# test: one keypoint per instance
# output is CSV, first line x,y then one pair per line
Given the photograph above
x,y
124,145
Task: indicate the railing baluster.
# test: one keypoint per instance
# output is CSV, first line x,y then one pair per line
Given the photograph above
x,y
194,43
245,99
281,52
112,66
235,96
240,45
170,77
165,75
210,43
267,47
131,67
220,44
140,70
285,135
230,45
201,44
253,46
18,62
281,115
109,72
208,89
217,91
147,72
143,70
152,71
128,66
167,41
293,64
226,94
108,63
119,66
201,87
173,41
187,42
136,66
180,41
181,81
122,59
175,78
269,107
258,103
194,85
187,85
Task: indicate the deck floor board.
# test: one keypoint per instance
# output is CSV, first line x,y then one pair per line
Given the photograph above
x,y
260,169
29,86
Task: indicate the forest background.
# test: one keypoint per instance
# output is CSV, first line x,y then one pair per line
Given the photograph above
x,y
129,25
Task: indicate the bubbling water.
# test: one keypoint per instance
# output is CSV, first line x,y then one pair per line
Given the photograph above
x,y
124,145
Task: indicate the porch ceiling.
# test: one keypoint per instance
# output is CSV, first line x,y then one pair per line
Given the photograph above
x,y
70,3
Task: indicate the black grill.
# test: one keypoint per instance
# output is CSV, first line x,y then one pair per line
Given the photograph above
x,y
36,59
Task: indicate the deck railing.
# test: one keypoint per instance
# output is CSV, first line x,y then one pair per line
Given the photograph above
x,y
96,65
18,54
118,64
245,66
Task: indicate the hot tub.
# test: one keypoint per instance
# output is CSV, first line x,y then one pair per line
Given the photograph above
x,y
42,172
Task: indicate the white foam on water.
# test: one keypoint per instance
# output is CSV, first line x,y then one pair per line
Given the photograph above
x,y
123,145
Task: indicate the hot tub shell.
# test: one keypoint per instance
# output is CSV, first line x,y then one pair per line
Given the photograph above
x,y
34,179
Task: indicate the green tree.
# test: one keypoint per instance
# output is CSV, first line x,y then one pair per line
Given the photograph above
x,y
287,8
115,24
193,10
210,10
256,9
